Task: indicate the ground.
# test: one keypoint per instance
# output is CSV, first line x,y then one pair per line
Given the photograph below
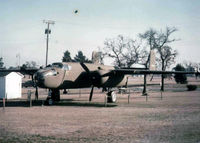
x,y
174,118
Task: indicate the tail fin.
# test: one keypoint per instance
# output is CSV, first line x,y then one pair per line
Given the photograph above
x,y
152,65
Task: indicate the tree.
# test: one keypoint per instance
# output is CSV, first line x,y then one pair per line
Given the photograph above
x,y
180,78
81,58
189,66
29,64
132,53
149,38
1,63
159,40
167,57
66,57
125,51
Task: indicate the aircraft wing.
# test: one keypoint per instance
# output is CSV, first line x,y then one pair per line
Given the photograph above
x,y
132,72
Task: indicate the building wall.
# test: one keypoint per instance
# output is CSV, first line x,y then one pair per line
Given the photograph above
x,y
2,87
13,85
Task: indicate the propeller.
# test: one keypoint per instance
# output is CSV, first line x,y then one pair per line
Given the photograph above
x,y
85,68
92,78
91,93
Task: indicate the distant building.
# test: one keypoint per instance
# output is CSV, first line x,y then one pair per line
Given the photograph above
x,y
10,85
95,57
152,64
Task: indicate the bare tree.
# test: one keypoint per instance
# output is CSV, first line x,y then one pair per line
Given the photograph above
x,y
144,60
167,57
149,37
159,40
190,66
132,53
125,51
30,64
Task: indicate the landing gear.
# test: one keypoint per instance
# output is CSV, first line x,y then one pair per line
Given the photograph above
x,y
112,97
65,91
53,95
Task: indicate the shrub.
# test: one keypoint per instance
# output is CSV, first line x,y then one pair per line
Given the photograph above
x,y
180,78
191,87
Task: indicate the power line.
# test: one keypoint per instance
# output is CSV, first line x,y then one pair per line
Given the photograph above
x,y
48,31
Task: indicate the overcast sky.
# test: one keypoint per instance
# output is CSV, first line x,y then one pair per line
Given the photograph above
x,y
22,27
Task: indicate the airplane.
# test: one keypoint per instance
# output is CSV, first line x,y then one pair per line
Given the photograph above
x,y
71,75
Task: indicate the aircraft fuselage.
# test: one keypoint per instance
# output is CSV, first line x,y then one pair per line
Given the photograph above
x,y
72,75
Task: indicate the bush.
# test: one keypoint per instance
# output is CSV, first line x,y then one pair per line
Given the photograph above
x,y
191,87
180,78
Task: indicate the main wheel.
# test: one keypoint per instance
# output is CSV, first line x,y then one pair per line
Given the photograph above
x,y
50,101
112,97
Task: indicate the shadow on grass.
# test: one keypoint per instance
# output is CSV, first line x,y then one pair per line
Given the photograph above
x,y
21,103
83,104
63,102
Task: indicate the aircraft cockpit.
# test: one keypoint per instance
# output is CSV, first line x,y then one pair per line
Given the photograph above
x,y
62,66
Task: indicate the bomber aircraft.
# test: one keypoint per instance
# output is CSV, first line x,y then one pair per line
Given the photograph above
x,y
81,75
71,75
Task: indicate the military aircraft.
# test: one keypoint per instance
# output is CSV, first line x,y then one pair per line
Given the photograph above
x,y
58,76
83,75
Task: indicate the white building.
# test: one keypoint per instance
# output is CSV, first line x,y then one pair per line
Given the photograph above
x,y
10,85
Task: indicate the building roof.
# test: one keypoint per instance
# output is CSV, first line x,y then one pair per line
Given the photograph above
x,y
2,74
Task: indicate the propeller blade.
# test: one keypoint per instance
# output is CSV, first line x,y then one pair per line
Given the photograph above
x,y
92,78
85,67
36,92
91,93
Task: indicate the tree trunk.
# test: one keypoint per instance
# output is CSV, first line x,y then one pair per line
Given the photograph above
x,y
162,77
145,85
162,83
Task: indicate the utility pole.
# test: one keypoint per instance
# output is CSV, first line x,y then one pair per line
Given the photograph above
x,y
47,31
18,59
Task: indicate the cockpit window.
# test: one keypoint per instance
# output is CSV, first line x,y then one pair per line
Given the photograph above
x,y
59,65
66,67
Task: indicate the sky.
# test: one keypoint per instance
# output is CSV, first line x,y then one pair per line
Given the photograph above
x,y
22,28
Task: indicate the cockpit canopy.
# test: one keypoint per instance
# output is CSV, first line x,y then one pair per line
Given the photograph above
x,y
60,65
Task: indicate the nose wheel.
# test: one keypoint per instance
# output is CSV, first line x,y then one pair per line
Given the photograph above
x,y
53,96
112,97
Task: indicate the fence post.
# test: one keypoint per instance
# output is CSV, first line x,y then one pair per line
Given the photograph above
x,y
4,103
106,97
29,98
129,94
146,97
79,93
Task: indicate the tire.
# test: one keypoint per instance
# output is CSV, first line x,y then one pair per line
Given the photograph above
x,y
50,101
112,97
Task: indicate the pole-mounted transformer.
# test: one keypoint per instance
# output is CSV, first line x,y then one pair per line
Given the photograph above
x,y
47,31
